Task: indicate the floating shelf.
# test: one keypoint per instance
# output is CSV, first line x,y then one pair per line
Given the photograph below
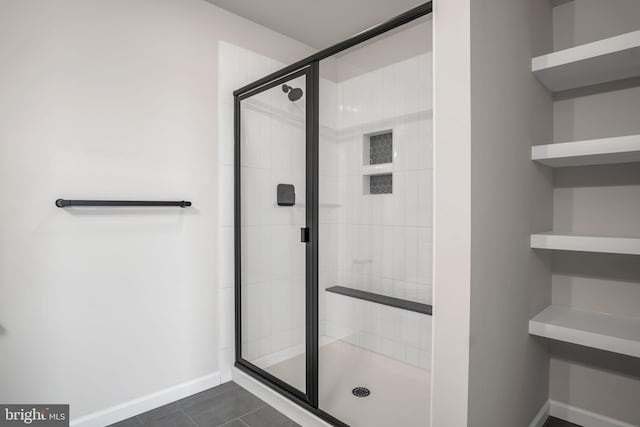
x,y
591,329
379,169
607,60
572,242
623,149
382,299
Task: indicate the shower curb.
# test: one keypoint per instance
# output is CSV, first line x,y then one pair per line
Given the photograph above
x,y
276,400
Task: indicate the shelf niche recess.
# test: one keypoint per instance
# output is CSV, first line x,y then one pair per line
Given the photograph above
x,y
377,160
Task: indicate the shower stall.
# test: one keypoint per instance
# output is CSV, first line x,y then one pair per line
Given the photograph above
x,y
333,227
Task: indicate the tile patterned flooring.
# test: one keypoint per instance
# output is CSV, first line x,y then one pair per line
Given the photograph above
x,y
557,422
227,405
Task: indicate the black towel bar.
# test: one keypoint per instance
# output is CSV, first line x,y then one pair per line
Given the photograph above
x,y
62,203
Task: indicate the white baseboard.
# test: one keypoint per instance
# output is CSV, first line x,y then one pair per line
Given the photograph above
x,y
541,416
275,399
583,417
146,403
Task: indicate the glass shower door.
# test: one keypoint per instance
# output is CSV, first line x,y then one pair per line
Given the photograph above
x,y
272,231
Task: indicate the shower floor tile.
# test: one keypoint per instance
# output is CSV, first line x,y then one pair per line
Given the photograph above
x,y
400,393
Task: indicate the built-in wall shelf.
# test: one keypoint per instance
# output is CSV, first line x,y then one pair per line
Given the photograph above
x,y
382,299
379,169
607,60
591,329
574,242
623,149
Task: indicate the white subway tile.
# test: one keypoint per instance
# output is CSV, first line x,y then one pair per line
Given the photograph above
x,y
425,198
226,197
226,257
240,67
411,254
399,254
399,198
226,53
226,307
413,355
424,255
411,185
400,351
225,135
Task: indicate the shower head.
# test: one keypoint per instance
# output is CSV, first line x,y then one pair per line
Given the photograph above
x,y
295,93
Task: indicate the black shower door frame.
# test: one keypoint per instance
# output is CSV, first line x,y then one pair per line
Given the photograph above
x,y
308,67
310,398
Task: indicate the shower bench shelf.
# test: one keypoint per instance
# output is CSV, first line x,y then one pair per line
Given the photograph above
x,y
623,149
588,328
377,169
382,299
602,61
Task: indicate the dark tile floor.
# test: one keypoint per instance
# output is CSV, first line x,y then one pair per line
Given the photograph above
x,y
227,405
557,422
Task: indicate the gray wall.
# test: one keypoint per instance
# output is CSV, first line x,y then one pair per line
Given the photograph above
x,y
510,198
599,200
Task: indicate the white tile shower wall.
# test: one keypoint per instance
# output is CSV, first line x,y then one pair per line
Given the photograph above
x,y
399,334
237,67
384,241
273,269
273,257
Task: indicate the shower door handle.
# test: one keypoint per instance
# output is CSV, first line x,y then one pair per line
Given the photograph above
x,y
304,234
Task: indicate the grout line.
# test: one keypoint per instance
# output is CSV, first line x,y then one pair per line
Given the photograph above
x,y
235,419
229,422
190,418
255,410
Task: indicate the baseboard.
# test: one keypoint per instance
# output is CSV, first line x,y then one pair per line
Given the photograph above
x,y
275,399
541,416
146,403
583,417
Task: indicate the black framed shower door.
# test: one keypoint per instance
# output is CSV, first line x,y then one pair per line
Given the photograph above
x,y
308,238
307,68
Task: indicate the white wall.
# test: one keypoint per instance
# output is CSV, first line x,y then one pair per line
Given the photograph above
x,y
452,212
110,99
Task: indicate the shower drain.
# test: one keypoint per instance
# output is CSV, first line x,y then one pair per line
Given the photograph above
x,y
361,392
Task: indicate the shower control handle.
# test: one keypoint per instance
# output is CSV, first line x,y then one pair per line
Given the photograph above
x,y
304,234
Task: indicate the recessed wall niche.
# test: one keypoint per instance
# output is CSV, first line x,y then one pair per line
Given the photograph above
x,y
378,148
377,159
